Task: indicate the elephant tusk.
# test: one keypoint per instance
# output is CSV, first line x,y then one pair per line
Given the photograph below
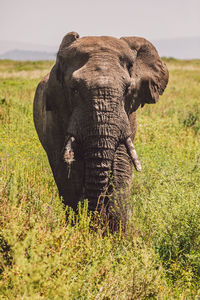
x,y
133,154
69,153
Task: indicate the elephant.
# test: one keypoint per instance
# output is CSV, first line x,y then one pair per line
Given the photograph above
x,y
85,116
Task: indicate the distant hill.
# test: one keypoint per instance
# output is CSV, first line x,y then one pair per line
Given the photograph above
x,y
28,55
26,51
181,48
8,46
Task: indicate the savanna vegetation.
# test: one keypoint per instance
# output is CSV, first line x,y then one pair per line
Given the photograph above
x,y
43,256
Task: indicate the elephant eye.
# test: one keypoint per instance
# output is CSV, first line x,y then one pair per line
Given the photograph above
x,y
126,63
75,91
129,66
75,96
126,90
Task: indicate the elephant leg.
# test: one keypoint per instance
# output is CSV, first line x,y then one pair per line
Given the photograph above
x,y
68,178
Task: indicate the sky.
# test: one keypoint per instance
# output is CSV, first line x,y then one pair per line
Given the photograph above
x,y
47,21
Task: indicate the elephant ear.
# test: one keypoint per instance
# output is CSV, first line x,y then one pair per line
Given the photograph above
x,y
149,73
52,115
55,90
68,39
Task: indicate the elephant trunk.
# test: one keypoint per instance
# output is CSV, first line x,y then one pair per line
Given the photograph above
x,y
98,158
104,127
107,125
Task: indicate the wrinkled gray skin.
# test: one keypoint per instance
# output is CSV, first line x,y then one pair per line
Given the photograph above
x,y
85,110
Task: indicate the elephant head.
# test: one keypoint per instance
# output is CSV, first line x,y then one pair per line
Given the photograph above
x,y
85,111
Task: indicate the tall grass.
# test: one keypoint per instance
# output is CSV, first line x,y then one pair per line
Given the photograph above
x,y
44,257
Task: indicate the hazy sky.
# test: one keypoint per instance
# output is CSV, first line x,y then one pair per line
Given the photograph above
x,y
46,21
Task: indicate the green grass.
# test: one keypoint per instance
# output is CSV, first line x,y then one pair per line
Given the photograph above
x,y
16,66
44,257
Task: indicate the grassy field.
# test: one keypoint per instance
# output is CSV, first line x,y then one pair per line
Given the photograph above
x,y
44,257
